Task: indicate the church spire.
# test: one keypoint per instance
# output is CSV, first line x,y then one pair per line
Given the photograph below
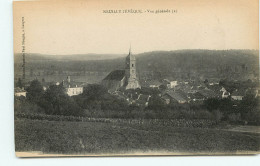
x,y
130,70
130,52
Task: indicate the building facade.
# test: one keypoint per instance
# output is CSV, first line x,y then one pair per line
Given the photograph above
x,y
19,92
72,89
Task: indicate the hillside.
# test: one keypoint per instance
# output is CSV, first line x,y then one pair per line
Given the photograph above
x,y
181,64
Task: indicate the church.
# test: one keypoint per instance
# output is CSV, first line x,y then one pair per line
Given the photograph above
x,y
126,78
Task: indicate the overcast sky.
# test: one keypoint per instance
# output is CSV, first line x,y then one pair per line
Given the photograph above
x,y
79,27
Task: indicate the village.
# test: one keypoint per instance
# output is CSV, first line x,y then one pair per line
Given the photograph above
x,y
125,85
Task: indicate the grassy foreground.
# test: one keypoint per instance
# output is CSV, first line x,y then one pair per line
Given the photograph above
x,y
97,137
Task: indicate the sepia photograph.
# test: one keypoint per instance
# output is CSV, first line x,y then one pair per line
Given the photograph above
x,y
136,77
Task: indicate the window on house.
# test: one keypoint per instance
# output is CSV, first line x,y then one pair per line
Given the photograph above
x,y
132,65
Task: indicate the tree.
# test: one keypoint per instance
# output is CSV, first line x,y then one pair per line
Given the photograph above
x,y
206,82
31,72
19,83
94,91
56,102
211,104
248,105
156,103
96,97
34,91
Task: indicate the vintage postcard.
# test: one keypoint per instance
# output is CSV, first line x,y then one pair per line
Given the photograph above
x,y
136,77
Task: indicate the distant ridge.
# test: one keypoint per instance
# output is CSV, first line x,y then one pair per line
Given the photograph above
x,y
95,56
73,57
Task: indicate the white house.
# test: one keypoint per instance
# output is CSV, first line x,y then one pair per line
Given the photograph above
x,y
173,83
72,89
237,95
19,92
225,93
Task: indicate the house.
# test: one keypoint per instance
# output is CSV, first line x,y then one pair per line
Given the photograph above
x,y
207,93
19,92
196,97
238,94
45,85
182,94
143,100
257,93
170,84
193,89
72,88
225,93
166,83
172,97
219,91
173,84
253,92
154,83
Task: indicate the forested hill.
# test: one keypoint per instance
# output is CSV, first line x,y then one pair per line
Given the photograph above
x,y
197,59
164,62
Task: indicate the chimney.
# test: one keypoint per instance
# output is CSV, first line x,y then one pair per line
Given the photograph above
x,y
68,79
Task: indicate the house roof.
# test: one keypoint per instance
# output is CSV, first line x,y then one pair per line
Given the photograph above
x,y
182,94
17,90
226,93
208,93
117,75
143,98
215,88
196,95
166,80
46,84
251,91
153,82
69,84
238,93
175,96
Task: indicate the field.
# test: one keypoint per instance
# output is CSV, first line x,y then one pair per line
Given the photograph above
x,y
66,137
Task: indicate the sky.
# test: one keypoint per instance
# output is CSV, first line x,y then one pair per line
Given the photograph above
x,y
81,27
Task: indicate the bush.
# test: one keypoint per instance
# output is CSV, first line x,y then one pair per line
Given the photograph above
x,y
217,115
21,105
35,91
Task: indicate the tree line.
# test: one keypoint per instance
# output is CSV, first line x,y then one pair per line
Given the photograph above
x,y
95,101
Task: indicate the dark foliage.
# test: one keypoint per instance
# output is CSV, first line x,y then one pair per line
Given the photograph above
x,y
156,103
56,102
247,109
96,97
19,83
34,91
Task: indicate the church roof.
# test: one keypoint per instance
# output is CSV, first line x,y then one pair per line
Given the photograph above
x,y
69,84
117,75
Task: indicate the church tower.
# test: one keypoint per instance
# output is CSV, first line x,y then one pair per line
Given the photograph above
x,y
130,71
